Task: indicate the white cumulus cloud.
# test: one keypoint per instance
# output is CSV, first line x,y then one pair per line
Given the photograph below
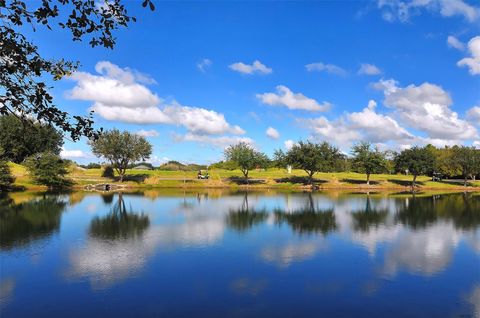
x,y
119,95
369,69
426,108
377,127
73,154
455,43
272,133
329,68
255,68
216,141
289,144
337,132
147,133
473,62
402,10
473,114
285,97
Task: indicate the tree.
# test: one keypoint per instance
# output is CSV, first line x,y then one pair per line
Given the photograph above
x,y
21,139
444,162
48,169
24,72
279,159
121,149
313,157
416,160
368,160
6,178
468,161
246,157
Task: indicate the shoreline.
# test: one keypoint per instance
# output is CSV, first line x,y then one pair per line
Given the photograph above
x,y
295,188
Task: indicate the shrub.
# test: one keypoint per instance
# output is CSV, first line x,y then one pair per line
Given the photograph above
x,y
108,172
6,178
48,169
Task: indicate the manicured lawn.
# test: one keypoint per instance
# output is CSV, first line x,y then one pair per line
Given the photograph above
x,y
278,178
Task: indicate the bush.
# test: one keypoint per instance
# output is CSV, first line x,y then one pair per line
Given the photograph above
x,y
48,169
108,172
6,178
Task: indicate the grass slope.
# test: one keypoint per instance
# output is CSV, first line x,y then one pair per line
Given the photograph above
x,y
272,178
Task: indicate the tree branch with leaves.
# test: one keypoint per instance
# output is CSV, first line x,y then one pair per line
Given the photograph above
x,y
24,72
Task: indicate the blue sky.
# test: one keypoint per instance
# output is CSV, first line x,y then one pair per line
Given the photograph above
x,y
186,75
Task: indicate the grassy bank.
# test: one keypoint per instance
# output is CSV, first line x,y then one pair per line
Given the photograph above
x,y
271,178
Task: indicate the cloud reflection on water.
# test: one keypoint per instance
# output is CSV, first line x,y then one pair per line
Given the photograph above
x,y
424,248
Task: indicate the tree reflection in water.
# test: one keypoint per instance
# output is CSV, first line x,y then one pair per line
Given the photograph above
x,y
369,217
119,223
244,218
27,222
420,212
309,219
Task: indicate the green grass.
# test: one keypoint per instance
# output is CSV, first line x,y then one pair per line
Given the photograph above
x,y
220,178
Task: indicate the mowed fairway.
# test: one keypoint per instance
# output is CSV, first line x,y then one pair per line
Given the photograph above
x,y
278,178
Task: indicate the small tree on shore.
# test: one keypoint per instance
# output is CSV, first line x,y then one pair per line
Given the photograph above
x,y
48,169
108,172
416,160
467,159
246,157
121,149
279,159
368,160
313,157
6,178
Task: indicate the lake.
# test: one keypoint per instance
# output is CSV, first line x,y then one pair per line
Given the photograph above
x,y
222,254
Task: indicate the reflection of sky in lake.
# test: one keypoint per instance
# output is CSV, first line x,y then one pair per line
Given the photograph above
x,y
229,254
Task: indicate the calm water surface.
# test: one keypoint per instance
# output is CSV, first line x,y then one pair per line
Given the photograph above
x,y
220,254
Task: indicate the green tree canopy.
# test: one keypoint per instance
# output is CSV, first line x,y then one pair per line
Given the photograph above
x,y
246,157
279,159
467,159
313,157
20,139
48,169
417,160
24,72
444,162
6,178
368,160
121,149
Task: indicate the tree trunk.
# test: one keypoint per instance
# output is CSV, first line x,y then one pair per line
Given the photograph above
x,y
121,173
465,181
414,179
368,178
310,177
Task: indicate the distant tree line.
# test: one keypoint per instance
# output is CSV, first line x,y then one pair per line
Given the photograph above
x,y
315,157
